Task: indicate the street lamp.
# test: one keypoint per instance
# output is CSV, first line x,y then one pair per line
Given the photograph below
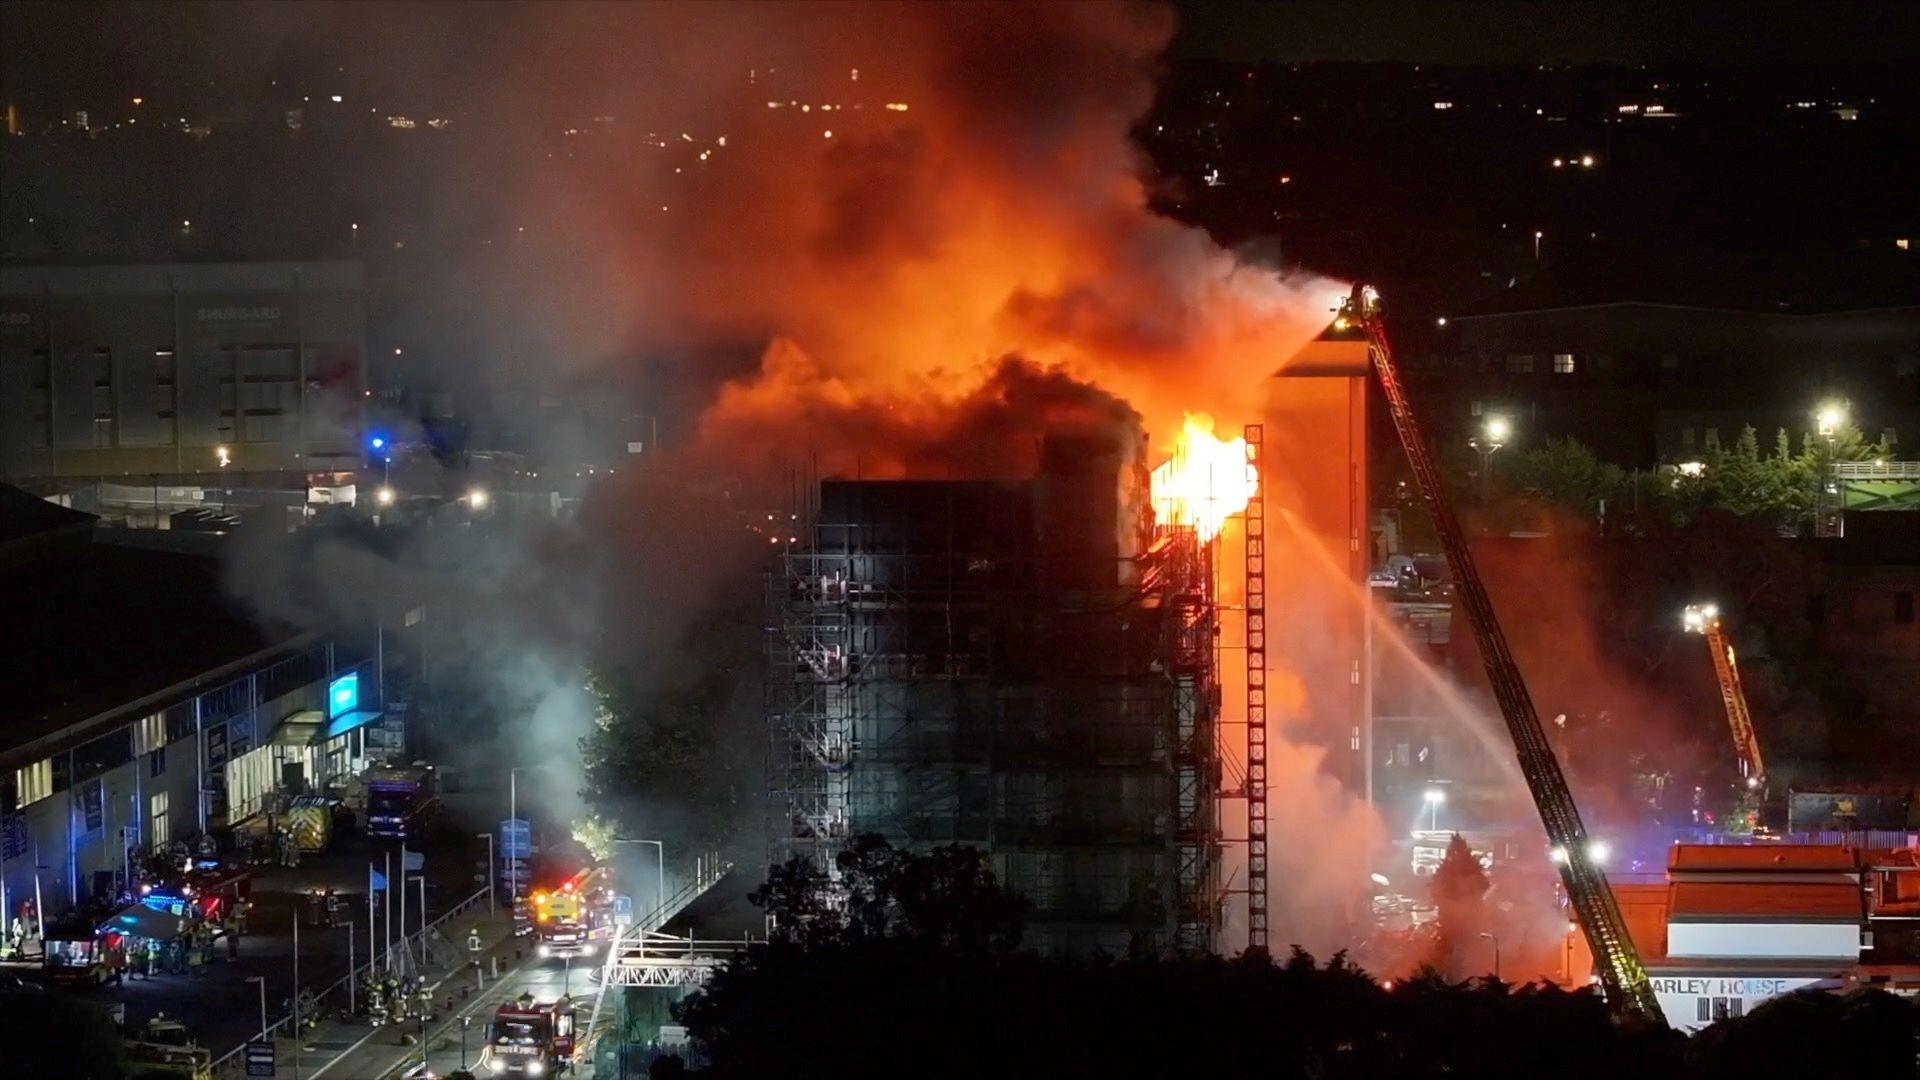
x,y
1494,433
1433,797
1496,954
493,871
513,815
262,980
384,495
1828,419
465,1023
477,499
1537,236
1572,929
660,870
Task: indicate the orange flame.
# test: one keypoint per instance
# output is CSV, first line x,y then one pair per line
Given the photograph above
x,y
1206,481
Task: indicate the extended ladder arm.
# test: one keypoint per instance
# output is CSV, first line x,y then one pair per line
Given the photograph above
x,y
1621,973
1704,619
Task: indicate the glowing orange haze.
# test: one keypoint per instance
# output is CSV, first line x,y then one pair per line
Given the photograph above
x,y
892,268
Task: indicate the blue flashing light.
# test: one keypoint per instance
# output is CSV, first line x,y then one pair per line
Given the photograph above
x,y
379,442
343,695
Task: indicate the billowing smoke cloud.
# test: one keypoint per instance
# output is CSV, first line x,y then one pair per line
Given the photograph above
x,y
887,200
892,240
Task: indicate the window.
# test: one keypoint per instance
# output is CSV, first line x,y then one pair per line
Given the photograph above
x,y
1563,363
1686,438
35,782
1721,1010
150,733
1903,607
417,615
1701,1012
157,763
1712,438
1518,364
1736,1007
1478,407
157,819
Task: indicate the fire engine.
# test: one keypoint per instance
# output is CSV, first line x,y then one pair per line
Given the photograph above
x,y
529,1038
572,919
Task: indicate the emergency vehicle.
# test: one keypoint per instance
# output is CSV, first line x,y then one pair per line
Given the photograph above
x,y
399,800
163,1048
78,953
529,1038
574,918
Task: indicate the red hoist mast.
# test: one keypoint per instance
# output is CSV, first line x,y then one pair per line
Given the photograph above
x,y
1704,619
1622,975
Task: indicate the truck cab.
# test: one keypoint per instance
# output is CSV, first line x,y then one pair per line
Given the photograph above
x,y
529,1038
570,919
79,954
399,799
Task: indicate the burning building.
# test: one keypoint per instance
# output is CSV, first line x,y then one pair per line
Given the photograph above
x,y
1026,667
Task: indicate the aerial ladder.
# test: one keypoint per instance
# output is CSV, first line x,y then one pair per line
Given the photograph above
x,y
1622,976
1704,619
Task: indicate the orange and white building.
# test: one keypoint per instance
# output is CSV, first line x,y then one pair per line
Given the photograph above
x,y
1734,925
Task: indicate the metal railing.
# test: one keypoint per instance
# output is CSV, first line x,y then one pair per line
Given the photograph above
x,y
1876,470
232,1063
709,869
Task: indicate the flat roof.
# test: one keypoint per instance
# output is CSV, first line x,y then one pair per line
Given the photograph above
x,y
1765,901
1771,857
105,626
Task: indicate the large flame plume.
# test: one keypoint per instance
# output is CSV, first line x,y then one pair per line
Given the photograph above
x,y
1206,481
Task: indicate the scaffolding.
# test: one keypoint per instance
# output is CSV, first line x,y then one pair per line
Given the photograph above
x,y
948,663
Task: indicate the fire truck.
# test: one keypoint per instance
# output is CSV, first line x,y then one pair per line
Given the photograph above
x,y
399,800
573,918
529,1038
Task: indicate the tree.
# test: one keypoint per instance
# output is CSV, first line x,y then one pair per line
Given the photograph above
x,y
60,1034
946,899
1459,891
1812,1033
662,760
1566,473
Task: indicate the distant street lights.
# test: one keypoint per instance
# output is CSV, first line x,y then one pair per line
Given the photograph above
x,y
1537,237
1434,798
1828,419
1494,433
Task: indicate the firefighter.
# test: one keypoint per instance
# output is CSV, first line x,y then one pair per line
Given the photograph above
x,y
473,946
153,957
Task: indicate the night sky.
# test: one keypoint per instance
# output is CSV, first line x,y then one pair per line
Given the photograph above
x,y
1510,31
87,47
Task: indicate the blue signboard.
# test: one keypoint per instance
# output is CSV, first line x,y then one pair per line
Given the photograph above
x,y
516,838
343,695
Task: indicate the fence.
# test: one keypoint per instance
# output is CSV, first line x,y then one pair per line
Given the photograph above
x,y
329,999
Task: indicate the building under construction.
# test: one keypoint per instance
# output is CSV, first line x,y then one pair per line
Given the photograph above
x,y
1027,667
